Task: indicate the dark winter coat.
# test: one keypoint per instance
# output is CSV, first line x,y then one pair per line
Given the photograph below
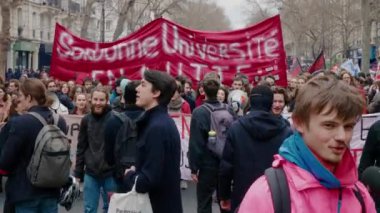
x,y
90,149
17,152
251,143
158,161
371,153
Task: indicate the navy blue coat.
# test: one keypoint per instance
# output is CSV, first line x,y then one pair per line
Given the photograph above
x,y
158,161
17,152
251,143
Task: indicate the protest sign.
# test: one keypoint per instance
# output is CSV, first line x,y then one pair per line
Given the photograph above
x,y
256,51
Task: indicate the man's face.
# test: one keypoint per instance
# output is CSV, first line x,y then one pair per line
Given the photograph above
x,y
270,81
98,102
237,85
327,136
301,82
278,103
24,102
71,84
145,97
187,88
118,90
12,87
293,83
87,84
52,87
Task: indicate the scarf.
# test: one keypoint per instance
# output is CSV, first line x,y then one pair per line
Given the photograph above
x,y
175,105
295,150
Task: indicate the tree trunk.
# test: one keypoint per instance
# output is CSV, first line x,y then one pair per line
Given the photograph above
x,y
5,37
366,31
86,18
122,18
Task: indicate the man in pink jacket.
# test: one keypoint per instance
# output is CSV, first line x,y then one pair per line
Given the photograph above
x,y
320,172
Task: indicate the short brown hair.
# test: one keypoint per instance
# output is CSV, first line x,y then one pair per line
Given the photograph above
x,y
281,90
211,87
100,89
16,82
326,91
36,89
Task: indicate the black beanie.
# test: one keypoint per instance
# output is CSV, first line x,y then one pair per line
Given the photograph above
x,y
371,178
261,98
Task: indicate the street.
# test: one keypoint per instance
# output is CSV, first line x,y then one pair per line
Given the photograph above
x,y
188,202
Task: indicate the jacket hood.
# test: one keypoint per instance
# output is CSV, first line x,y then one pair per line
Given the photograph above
x,y
262,125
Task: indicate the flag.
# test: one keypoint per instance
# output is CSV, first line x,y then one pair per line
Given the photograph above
x,y
296,68
349,66
318,64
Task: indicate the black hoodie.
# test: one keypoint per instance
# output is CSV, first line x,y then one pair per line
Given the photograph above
x,y
251,143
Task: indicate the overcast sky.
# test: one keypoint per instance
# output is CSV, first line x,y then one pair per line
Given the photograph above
x,y
235,11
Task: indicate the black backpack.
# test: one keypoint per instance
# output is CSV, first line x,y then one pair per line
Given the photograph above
x,y
279,188
125,144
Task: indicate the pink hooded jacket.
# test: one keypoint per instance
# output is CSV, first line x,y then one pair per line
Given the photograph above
x,y
307,194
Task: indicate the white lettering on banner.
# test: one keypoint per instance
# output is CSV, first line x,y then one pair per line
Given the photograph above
x,y
94,73
198,70
219,70
239,68
165,39
265,46
128,50
65,40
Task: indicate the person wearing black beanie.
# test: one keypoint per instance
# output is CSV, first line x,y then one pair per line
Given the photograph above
x,y
251,143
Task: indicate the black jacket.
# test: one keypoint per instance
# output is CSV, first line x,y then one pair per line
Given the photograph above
x,y
17,152
158,161
371,153
251,143
90,149
371,150
200,157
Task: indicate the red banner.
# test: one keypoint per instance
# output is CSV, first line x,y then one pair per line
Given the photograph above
x,y
256,51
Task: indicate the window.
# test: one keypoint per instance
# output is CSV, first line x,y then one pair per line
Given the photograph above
x,y
41,34
108,25
48,35
34,33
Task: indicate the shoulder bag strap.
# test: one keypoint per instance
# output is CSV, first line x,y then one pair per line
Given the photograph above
x,y
38,117
279,188
360,198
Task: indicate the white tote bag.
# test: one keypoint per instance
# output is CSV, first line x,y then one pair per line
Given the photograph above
x,y
131,202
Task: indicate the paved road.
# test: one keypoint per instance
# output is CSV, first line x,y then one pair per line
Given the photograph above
x,y
188,202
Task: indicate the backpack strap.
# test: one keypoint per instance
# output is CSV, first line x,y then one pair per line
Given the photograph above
x,y
39,117
55,118
279,188
119,115
360,198
212,108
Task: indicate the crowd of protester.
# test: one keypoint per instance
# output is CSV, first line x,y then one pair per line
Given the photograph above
x,y
259,109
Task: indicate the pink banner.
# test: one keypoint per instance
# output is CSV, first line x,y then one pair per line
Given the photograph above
x,y
256,51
